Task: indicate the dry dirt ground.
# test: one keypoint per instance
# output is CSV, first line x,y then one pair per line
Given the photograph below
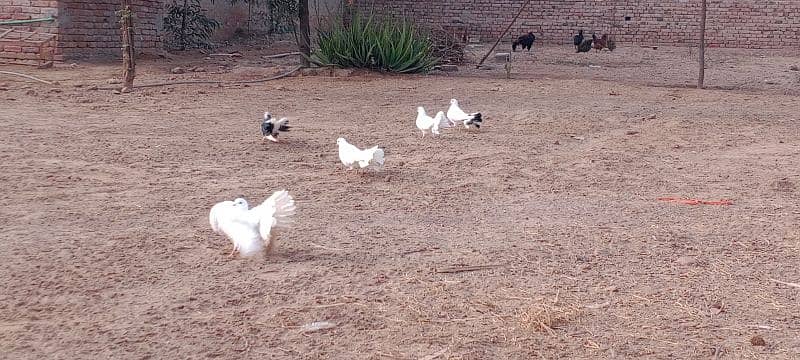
x,y
106,250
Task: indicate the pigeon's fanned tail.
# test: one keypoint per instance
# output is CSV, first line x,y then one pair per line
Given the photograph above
x,y
377,156
440,121
476,120
284,208
283,124
275,212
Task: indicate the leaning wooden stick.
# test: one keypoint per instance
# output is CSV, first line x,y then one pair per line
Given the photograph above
x,y
796,285
504,33
128,49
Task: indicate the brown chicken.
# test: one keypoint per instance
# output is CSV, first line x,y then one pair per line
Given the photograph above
x,y
599,44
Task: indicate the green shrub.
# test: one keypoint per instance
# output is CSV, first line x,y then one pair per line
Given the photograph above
x,y
188,26
367,42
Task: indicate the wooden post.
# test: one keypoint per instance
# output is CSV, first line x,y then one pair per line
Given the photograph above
x,y
128,49
504,33
701,76
304,36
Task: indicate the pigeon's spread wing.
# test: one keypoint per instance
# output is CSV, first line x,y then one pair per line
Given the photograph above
x,y
218,213
377,157
276,211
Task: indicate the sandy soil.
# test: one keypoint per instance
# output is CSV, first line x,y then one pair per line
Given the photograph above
x,y
107,252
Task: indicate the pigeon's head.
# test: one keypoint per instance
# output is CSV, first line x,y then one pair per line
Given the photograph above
x,y
454,102
420,110
267,116
241,203
341,141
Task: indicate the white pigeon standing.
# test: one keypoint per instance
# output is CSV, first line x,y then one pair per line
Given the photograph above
x,y
252,230
271,126
350,155
432,124
455,114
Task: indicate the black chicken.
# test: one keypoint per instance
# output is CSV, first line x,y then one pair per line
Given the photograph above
x,y
525,40
585,46
578,39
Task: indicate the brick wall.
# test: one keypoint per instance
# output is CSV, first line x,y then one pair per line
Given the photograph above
x,y
731,23
84,28
91,27
26,10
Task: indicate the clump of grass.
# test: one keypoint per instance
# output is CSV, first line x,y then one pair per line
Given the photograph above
x,y
545,317
377,44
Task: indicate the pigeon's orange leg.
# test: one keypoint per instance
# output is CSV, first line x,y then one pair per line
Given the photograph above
x,y
233,251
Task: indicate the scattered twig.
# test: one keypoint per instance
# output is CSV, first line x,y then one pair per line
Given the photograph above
x,y
317,326
696,201
280,55
435,355
763,327
246,345
211,82
598,305
416,251
795,285
323,306
458,269
325,247
26,76
228,55
717,352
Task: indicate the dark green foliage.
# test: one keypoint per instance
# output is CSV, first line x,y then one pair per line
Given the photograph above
x,y
188,26
367,42
283,14
278,15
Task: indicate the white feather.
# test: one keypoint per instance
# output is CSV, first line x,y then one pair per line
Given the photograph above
x,y
350,155
251,230
432,124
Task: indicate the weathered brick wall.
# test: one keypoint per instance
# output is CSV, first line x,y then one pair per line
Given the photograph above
x,y
25,10
91,27
84,27
731,23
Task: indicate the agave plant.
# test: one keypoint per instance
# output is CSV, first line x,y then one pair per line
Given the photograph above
x,y
400,48
366,42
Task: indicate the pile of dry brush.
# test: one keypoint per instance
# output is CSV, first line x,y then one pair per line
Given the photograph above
x,y
447,46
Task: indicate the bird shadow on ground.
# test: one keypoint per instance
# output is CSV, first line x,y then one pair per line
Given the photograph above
x,y
284,143
315,252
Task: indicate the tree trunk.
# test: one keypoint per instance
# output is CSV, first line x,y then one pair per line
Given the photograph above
x,y
128,49
304,36
182,36
701,76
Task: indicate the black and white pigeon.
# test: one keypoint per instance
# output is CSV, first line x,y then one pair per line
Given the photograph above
x,y
455,114
271,126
